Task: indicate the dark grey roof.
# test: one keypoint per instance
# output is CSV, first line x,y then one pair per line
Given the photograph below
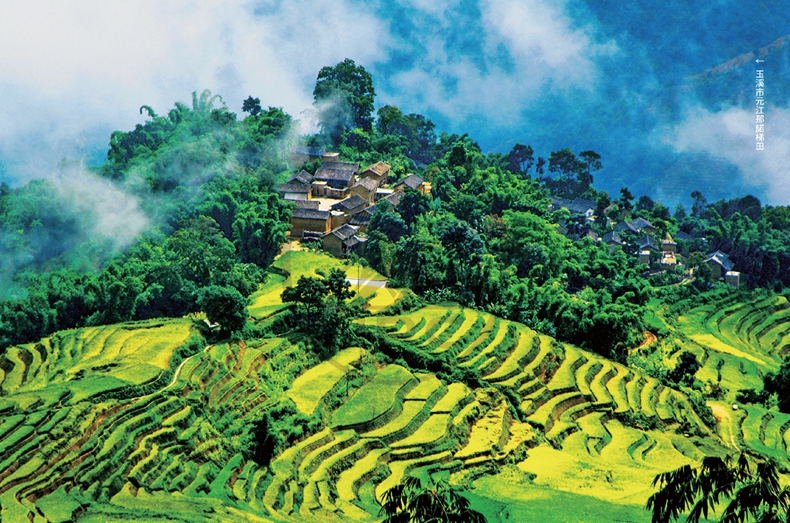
x,y
354,241
368,183
305,213
641,223
309,151
380,168
337,171
352,202
683,235
647,242
581,206
301,177
394,198
293,187
308,204
625,227
559,203
412,181
360,218
721,259
612,237
344,232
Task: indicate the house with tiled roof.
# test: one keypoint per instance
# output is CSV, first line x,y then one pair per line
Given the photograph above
x,y
339,175
395,198
306,219
298,187
366,188
362,218
302,155
378,172
558,203
344,240
351,205
611,239
582,206
648,242
625,227
415,182
719,263
643,225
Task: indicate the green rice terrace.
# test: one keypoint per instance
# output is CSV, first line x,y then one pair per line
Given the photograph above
x,y
145,422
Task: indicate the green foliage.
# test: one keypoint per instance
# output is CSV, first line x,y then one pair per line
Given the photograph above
x,y
779,383
225,306
685,370
320,310
344,98
221,225
411,502
751,485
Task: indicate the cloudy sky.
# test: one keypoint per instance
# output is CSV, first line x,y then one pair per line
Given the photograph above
x,y
621,78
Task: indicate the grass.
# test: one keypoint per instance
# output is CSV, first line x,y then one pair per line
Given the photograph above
x,y
509,497
373,399
296,264
434,428
310,388
486,434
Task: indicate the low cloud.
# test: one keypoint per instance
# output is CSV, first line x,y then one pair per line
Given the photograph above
x,y
729,135
74,72
108,212
512,53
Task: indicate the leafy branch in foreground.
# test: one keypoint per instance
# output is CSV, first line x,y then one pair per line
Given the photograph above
x,y
410,502
751,484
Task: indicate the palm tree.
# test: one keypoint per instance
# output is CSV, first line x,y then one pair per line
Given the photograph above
x,y
750,482
410,502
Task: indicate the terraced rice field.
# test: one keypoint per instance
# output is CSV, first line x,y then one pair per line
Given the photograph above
x,y
266,301
169,446
144,450
737,342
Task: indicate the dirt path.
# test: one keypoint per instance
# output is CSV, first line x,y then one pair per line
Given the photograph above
x,y
649,340
724,418
177,373
371,283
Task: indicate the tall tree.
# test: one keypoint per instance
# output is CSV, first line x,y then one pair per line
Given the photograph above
x,y
411,502
590,161
751,484
344,96
225,306
520,159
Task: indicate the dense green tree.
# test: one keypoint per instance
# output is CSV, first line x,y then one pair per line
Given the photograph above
x,y
389,223
521,159
225,306
252,106
412,205
344,97
412,502
320,310
779,383
590,162
751,485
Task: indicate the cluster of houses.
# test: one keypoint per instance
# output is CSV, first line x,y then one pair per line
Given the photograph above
x,y
649,250
334,205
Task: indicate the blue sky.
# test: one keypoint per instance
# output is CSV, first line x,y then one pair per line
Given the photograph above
x,y
603,75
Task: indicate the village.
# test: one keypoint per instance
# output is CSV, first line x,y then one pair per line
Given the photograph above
x,y
334,207
639,236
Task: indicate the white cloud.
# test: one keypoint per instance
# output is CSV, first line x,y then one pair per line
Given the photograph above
x,y
74,71
730,135
543,50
